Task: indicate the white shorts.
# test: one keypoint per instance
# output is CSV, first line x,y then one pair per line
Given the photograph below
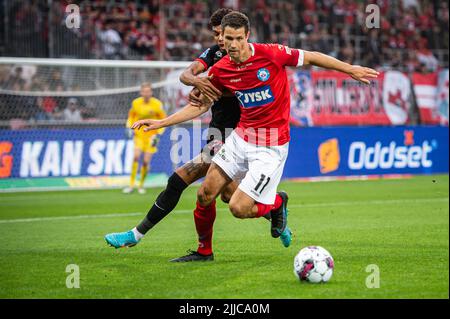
x,y
261,166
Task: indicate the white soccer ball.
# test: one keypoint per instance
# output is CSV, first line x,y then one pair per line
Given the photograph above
x,y
313,264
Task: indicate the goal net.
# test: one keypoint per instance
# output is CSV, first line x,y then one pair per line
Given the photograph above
x,y
62,121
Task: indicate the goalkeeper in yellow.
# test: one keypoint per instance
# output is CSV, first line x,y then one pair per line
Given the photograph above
x,y
144,107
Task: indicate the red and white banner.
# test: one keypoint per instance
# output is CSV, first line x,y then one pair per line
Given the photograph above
x,y
442,97
431,91
333,98
329,98
396,96
425,91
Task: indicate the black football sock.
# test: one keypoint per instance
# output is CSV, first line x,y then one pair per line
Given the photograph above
x,y
164,204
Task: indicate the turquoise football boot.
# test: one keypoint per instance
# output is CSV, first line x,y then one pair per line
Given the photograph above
x,y
118,240
286,237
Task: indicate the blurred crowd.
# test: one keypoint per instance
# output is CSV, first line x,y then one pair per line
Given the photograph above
x,y
408,33
150,30
171,30
412,35
40,107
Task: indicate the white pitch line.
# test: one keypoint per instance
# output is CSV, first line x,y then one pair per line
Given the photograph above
x,y
39,219
185,211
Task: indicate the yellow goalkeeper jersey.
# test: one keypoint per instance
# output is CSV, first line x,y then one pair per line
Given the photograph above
x,y
140,110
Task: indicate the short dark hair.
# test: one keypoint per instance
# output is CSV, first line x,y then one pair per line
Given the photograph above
x,y
217,16
236,20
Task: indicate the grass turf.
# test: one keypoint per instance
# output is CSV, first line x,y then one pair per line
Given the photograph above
x,y
399,225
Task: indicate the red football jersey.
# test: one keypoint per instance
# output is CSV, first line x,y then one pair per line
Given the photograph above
x,y
262,88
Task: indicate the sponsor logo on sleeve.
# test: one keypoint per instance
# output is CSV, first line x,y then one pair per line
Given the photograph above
x,y
284,47
204,54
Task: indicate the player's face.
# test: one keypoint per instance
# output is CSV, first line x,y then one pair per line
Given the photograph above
x,y
146,92
236,42
218,38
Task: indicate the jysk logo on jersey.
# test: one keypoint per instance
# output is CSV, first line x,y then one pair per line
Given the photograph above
x,y
259,96
263,74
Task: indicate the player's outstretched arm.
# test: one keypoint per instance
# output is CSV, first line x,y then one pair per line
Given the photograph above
x,y
357,72
190,77
187,113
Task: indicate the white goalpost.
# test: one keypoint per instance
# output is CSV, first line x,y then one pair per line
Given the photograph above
x,y
26,83
37,132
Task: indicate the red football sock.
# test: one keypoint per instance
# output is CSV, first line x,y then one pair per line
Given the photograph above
x,y
278,202
204,220
264,209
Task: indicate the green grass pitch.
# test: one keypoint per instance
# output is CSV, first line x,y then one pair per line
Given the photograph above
x,y
399,225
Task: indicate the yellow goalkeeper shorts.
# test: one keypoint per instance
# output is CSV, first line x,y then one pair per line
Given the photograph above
x,y
145,144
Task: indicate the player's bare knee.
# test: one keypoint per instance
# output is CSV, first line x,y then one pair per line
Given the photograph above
x,y
204,197
234,209
238,210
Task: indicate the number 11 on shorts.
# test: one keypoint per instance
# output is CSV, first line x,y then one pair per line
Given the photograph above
x,y
261,181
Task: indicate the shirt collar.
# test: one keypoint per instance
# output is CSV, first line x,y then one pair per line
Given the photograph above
x,y
251,47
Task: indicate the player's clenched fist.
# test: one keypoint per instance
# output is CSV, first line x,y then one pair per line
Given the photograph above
x,y
205,87
198,99
194,97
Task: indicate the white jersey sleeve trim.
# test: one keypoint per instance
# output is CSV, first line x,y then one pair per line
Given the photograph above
x,y
301,57
252,48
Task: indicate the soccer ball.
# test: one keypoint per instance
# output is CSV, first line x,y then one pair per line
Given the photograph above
x,y
313,264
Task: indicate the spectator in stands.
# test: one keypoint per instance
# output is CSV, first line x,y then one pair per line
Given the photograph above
x,y
37,83
410,4
145,15
72,112
426,57
411,63
56,82
320,41
144,42
396,60
443,22
111,41
44,111
16,81
4,77
373,50
347,54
